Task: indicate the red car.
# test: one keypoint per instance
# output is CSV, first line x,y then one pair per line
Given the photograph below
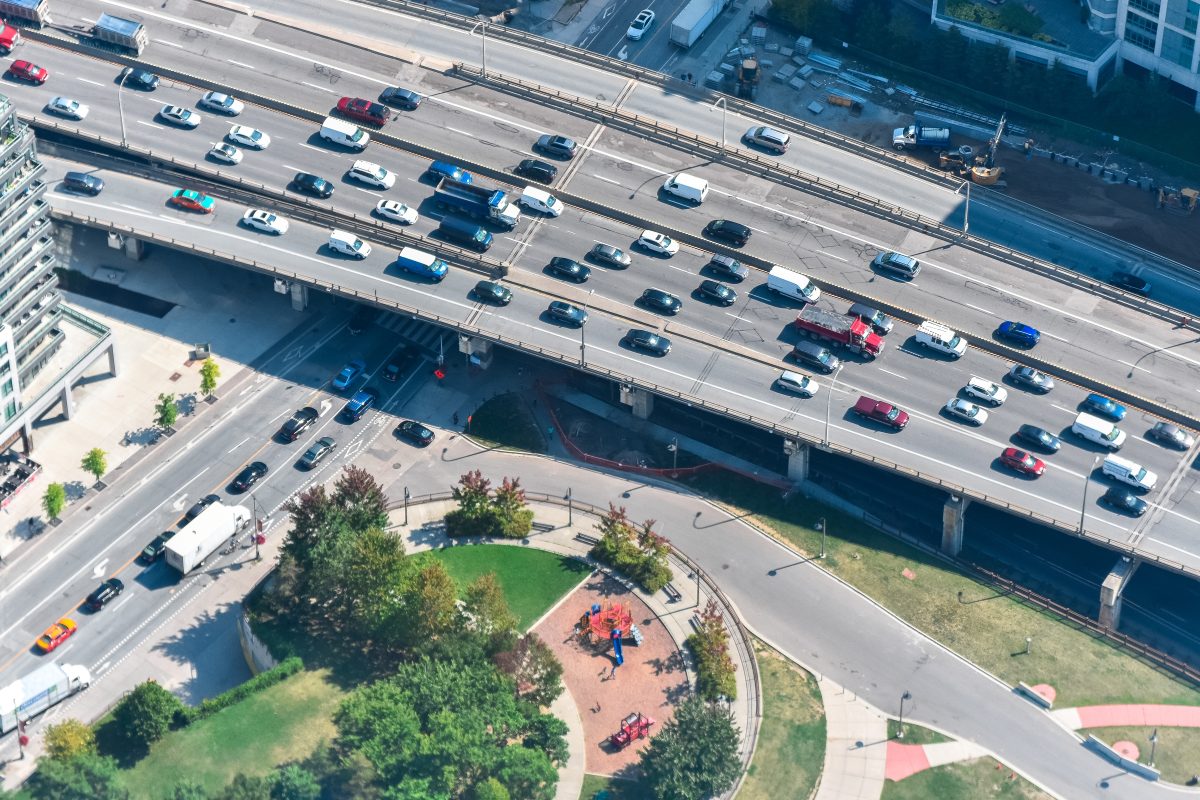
x,y
361,110
28,71
1022,462
880,411
192,200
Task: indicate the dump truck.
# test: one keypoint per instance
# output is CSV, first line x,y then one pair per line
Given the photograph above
x,y
40,689
920,136
856,335
200,538
480,202
34,11
123,33
691,23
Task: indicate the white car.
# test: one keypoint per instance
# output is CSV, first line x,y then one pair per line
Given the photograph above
x,y
265,221
966,411
797,384
540,200
656,242
177,115
348,244
986,391
222,104
66,107
372,175
248,137
226,153
641,23
397,211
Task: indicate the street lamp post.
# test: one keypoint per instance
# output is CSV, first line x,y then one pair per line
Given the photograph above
x,y
821,528
482,26
121,103
1153,745
724,116
829,404
903,697
582,325
570,509
406,496
674,448
1087,478
966,208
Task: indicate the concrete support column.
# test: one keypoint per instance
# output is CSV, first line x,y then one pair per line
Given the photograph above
x,y
299,292
27,437
112,358
477,351
954,514
68,403
640,402
797,454
1113,589
135,249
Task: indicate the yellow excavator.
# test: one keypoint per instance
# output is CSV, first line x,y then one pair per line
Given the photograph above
x,y
1179,201
979,168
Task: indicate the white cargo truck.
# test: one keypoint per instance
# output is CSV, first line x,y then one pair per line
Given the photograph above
x,y
345,134
201,537
795,285
39,690
691,23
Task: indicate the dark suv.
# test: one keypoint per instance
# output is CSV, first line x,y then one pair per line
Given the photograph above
x,y
814,355
106,592
298,424
728,231
558,146
83,183
492,292
537,170
728,268
313,185
663,302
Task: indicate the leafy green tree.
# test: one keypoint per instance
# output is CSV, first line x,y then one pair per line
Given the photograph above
x,y
535,670
245,787
694,755
209,372
635,550
715,670
548,734
491,789
188,789
144,715
166,411
83,777
70,738
514,518
294,782
488,611
373,572
54,500
361,499
475,515
95,462
434,603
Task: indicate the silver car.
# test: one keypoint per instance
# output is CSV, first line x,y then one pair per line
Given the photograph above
x,y
222,104
317,452
966,411
768,139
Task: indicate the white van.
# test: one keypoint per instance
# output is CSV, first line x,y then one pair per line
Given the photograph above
x,y
687,187
540,200
348,244
792,284
1098,431
338,131
1126,471
938,337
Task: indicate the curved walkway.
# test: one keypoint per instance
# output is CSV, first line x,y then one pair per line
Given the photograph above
x,y
1139,715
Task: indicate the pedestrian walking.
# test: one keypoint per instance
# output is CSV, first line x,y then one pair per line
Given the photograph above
x,y
455,417
613,674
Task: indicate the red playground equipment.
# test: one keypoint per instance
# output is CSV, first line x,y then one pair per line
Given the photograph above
x,y
635,726
598,624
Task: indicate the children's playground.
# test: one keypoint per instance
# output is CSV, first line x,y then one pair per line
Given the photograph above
x,y
621,668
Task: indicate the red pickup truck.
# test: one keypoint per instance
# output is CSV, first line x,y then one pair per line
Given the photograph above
x,y
880,411
361,110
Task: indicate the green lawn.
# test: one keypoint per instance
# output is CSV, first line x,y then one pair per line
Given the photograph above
x,y
1177,755
533,580
967,780
617,789
791,742
283,722
506,421
987,628
915,734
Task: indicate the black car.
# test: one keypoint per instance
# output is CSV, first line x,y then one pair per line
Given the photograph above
x,y
492,292
1039,438
728,268
537,170
105,592
1131,283
658,300
396,363
728,231
249,476
414,432
83,183
612,256
362,402
362,319
565,312
298,423
717,292
1171,435
570,269
1121,499
397,97
139,79
201,504
557,146
649,341
312,185
151,552
317,452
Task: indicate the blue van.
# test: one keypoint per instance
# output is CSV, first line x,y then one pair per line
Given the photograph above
x,y
466,233
422,264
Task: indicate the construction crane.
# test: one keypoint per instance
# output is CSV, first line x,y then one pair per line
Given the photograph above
x,y
980,168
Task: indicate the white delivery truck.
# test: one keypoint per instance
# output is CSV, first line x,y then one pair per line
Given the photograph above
x,y
346,134
198,540
792,284
39,690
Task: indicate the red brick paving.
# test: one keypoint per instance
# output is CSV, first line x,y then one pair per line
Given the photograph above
x,y
651,680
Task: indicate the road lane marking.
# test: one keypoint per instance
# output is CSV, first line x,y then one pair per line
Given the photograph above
x,y
239,63
168,44
895,374
322,88
984,310
88,80
1134,366
236,446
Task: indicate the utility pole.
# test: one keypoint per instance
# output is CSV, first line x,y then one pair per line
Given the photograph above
x,y
406,505
821,528
1087,478
903,697
570,509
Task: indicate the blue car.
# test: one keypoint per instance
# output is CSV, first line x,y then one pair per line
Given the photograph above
x,y
359,404
1018,333
444,169
1099,404
342,381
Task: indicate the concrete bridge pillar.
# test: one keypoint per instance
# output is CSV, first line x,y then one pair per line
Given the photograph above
x,y
1113,589
477,351
797,454
954,514
299,293
135,249
640,401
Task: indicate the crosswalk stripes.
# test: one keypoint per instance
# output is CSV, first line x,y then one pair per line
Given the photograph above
x,y
430,339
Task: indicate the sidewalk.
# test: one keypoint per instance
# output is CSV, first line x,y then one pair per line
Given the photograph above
x,y
856,746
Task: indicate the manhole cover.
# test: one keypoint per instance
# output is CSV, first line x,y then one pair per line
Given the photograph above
x,y
175,376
